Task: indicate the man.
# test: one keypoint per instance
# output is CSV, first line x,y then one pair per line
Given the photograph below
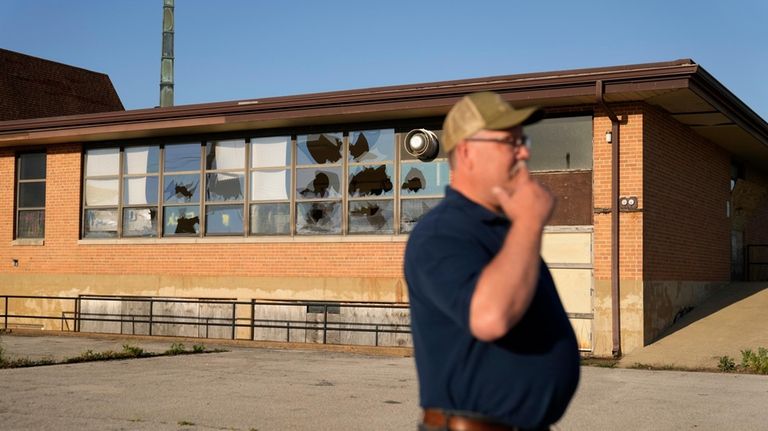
x,y
494,348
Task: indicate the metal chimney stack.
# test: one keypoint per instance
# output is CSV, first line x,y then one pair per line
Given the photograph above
x,y
166,62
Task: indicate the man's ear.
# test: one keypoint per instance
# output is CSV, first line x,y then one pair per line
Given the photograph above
x,y
463,155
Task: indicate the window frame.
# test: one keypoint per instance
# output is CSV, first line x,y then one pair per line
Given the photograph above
x,y
18,209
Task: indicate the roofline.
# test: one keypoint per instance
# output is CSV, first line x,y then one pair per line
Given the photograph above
x,y
56,62
518,89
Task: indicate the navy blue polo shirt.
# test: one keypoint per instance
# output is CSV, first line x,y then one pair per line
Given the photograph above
x,y
527,377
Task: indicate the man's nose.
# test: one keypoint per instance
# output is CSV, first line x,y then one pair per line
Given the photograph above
x,y
523,153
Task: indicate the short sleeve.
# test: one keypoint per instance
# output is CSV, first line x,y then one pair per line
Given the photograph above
x,y
442,270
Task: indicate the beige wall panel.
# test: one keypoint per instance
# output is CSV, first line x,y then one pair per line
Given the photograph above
x,y
573,286
567,247
583,330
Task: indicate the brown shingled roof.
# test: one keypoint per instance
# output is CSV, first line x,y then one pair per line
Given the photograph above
x,y
32,87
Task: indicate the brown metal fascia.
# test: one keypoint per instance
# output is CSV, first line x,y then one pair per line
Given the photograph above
x,y
724,101
539,86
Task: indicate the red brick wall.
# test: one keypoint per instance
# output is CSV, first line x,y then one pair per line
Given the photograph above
x,y
61,253
686,187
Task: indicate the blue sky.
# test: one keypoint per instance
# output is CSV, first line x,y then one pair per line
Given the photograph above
x,y
243,49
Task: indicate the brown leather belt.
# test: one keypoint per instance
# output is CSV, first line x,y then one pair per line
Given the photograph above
x,y
439,419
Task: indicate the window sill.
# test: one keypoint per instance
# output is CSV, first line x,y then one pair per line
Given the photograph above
x,y
28,241
249,240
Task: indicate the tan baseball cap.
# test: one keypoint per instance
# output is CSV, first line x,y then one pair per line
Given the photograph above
x,y
483,111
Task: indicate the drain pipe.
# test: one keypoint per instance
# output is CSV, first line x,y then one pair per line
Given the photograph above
x,y
615,139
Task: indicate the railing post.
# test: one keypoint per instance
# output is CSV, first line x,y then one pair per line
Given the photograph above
x,y
253,318
287,332
376,328
325,324
150,315
77,314
5,318
234,320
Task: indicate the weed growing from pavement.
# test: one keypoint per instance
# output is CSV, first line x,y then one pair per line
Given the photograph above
x,y
128,352
185,423
751,362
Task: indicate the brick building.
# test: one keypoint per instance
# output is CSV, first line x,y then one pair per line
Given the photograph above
x,y
312,197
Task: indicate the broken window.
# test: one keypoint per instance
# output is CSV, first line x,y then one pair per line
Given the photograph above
x,y
140,190
318,218
559,144
271,219
181,188
225,187
181,220
412,210
140,222
30,195
371,216
372,146
320,149
102,193
100,223
367,181
424,179
224,219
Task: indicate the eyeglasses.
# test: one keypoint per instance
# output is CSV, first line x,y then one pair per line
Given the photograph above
x,y
515,143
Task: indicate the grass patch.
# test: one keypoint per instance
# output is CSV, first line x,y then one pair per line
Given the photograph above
x,y
753,362
185,423
128,352
599,362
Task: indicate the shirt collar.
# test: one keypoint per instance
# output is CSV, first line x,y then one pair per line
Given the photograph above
x,y
471,207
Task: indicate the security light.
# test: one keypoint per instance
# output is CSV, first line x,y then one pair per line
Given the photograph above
x,y
422,144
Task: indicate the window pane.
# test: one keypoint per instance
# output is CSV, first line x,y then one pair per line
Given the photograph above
x,y
224,219
318,218
32,166
225,187
371,217
32,195
561,143
31,224
225,154
271,219
424,178
141,160
181,188
272,151
319,149
181,220
372,145
102,161
140,222
182,157
270,185
101,192
318,183
142,190
100,223
370,181
412,210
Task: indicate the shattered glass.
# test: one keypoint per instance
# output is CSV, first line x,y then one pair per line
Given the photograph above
x,y
372,145
412,210
181,220
225,187
101,223
140,222
181,188
319,149
424,179
318,218
225,155
271,219
371,216
370,181
313,183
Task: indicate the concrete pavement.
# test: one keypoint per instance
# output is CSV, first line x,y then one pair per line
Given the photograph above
x,y
265,389
734,319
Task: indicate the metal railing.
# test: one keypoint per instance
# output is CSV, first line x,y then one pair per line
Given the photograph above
x,y
75,313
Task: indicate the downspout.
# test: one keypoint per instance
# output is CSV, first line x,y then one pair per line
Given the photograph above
x,y
615,304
